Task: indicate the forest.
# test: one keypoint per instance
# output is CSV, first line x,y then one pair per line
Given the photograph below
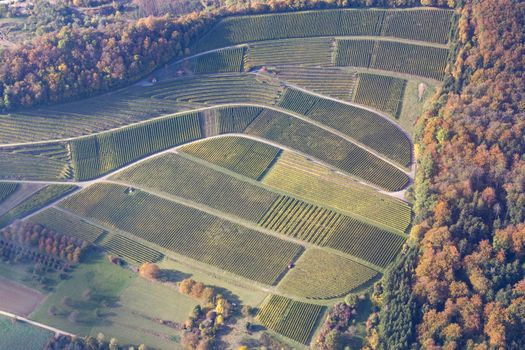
x,y
462,285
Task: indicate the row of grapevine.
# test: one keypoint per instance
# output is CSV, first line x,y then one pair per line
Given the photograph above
x,y
101,153
335,22
316,183
381,92
329,81
419,24
214,89
66,224
424,61
301,52
187,179
319,274
186,231
227,60
81,117
236,119
7,189
293,319
301,220
130,249
48,161
244,156
37,200
360,124
365,241
327,147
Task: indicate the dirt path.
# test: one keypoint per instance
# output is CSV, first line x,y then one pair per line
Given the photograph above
x,y
17,298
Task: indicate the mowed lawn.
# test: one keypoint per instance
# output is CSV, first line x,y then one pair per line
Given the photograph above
x,y
101,297
22,336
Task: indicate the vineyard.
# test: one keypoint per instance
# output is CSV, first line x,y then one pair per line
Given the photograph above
x,y
66,224
360,124
130,249
420,60
338,22
335,277
187,179
303,52
381,92
101,153
186,231
315,183
20,162
293,319
236,119
329,81
41,198
327,147
7,189
301,220
244,156
222,61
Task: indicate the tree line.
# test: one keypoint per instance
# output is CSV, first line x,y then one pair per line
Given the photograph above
x,y
462,284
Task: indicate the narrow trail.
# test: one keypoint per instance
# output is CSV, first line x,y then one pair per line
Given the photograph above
x,y
36,324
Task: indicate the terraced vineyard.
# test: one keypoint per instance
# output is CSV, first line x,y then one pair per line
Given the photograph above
x,y
39,199
293,319
333,82
130,249
303,52
337,22
420,60
361,240
327,147
355,122
323,275
66,224
227,60
186,231
215,89
101,153
184,178
300,205
318,184
244,156
381,92
301,220
48,161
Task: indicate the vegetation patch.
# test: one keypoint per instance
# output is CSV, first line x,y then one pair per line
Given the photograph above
x,y
293,319
18,335
319,274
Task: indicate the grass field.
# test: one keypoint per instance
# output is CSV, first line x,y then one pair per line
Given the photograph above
x,y
36,201
184,178
293,319
19,335
187,231
323,275
244,156
315,183
325,146
120,305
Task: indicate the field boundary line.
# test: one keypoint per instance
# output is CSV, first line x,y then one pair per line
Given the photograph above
x,y
37,324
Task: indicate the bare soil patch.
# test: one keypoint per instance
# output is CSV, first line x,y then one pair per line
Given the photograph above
x,y
18,299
